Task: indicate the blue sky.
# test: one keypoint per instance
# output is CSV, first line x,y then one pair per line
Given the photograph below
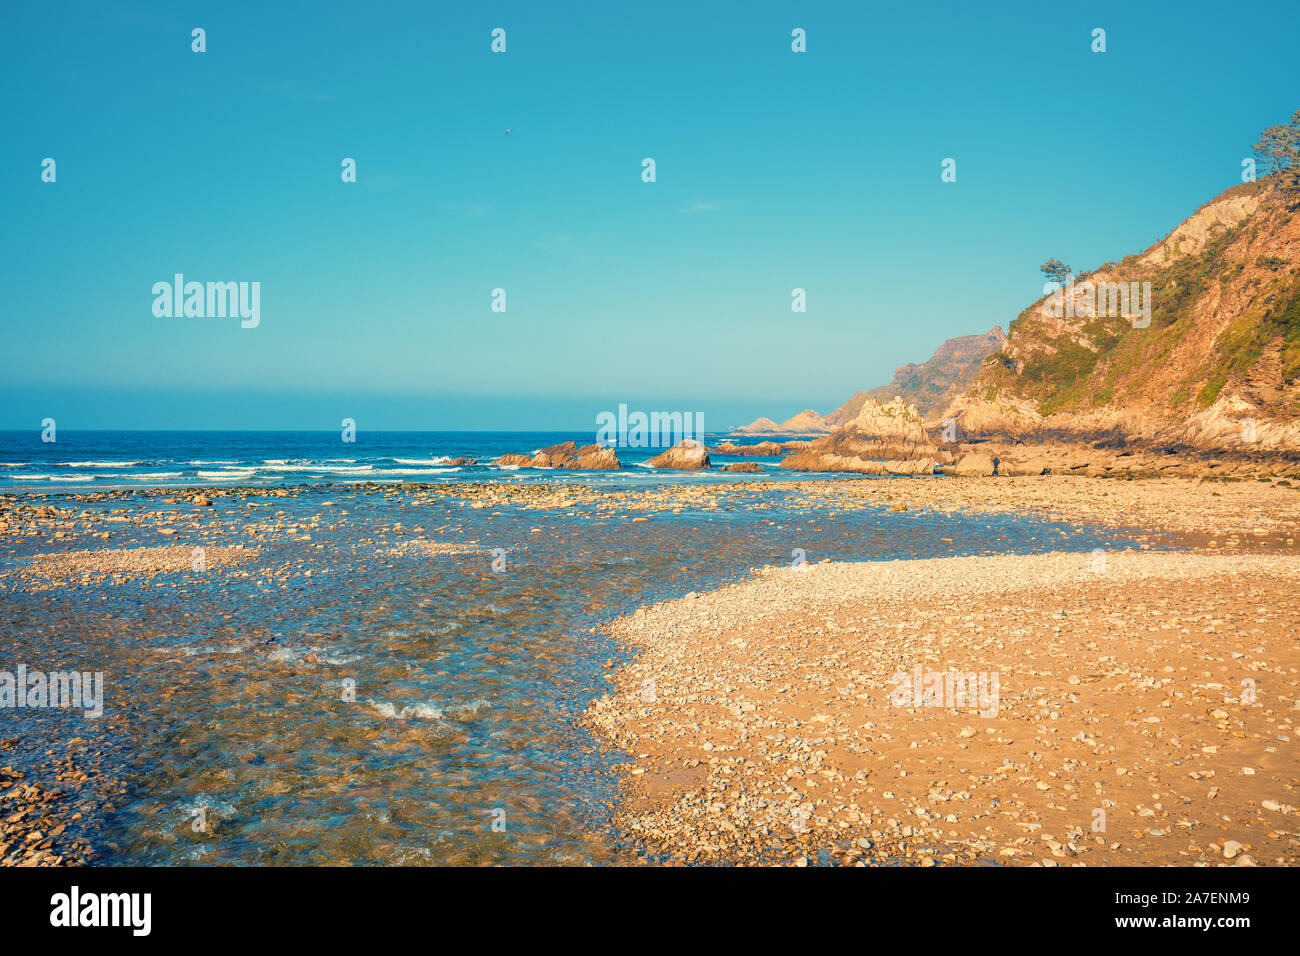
x,y
775,170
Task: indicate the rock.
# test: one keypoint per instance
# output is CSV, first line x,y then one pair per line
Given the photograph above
x,y
202,501
973,465
1231,848
686,455
564,455
748,467
763,448
881,430
1032,467
522,461
915,466
462,462
824,461
593,458
552,456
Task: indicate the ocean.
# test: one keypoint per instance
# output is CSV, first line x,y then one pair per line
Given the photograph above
x,y
102,459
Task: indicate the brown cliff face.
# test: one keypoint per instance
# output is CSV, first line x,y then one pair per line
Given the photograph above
x,y
1216,370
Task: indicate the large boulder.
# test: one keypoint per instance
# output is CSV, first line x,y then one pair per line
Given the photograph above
x,y
593,458
972,465
554,455
686,455
567,455
744,466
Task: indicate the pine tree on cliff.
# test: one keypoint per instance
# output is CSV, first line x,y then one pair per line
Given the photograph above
x,y
1056,271
1278,151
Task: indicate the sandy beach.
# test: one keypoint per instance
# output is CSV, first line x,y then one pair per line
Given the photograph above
x,y
1145,703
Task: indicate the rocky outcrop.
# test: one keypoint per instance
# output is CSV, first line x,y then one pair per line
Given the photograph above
x,y
881,433
763,448
829,461
592,458
515,460
748,467
686,455
566,455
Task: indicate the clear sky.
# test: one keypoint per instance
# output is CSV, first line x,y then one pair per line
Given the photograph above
x,y
775,170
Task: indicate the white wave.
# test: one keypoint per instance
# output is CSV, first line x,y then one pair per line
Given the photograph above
x,y
333,469
338,660
467,711
421,710
412,471
195,650
101,464
439,460
206,804
227,475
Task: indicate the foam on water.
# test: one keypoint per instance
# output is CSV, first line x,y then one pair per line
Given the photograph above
x,y
421,710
